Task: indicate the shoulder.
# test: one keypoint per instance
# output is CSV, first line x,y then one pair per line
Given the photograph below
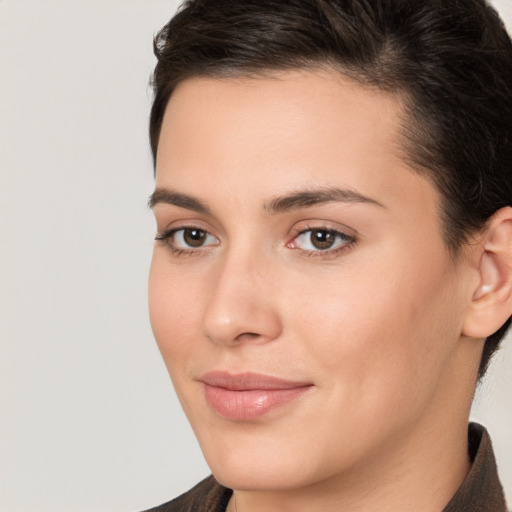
x,y
207,496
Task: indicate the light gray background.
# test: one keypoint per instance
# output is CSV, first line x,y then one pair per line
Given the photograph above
x,y
88,419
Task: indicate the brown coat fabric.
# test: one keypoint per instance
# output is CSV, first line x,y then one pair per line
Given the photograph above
x,y
206,496
481,491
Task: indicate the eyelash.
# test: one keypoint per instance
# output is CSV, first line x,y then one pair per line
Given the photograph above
x,y
167,238
349,242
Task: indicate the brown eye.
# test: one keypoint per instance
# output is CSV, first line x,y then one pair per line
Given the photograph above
x,y
194,237
187,240
322,239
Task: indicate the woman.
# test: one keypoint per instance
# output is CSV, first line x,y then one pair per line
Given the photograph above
x,y
333,264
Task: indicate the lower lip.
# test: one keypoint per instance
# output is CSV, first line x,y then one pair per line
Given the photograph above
x,y
247,405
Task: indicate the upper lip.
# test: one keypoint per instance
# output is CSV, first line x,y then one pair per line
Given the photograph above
x,y
248,381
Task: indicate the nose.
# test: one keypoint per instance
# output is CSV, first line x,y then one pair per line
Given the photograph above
x,y
241,306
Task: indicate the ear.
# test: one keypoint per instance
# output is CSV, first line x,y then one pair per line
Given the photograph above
x,y
491,303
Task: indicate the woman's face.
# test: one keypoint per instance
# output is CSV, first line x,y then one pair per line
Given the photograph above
x,y
301,293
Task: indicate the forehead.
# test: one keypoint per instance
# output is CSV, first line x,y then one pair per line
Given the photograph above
x,y
255,138
282,110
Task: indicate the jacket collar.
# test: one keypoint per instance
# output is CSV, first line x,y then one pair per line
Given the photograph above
x,y
481,491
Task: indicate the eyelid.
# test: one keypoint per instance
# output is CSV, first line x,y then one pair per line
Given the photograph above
x,y
347,234
320,224
167,223
166,237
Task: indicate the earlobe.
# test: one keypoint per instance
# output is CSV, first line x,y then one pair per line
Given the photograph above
x,y
491,303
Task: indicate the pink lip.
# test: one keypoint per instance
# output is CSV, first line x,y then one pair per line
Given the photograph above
x,y
248,396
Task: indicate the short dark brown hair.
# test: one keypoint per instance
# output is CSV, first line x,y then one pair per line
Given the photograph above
x,y
451,61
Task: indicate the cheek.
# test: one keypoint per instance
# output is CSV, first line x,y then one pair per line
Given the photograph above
x,y
380,334
345,328
174,310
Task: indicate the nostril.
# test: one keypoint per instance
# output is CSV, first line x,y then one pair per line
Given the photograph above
x,y
248,336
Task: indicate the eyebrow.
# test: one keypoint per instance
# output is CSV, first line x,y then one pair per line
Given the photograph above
x,y
167,196
294,201
308,198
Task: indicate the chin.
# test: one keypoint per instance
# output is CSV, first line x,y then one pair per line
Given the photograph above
x,y
253,462
259,477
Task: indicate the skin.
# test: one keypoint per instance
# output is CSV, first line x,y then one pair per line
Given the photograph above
x,y
376,325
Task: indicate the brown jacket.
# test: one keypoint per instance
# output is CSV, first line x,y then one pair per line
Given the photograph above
x,y
481,491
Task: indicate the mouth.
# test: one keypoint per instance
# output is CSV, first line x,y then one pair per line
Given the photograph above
x,y
249,396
